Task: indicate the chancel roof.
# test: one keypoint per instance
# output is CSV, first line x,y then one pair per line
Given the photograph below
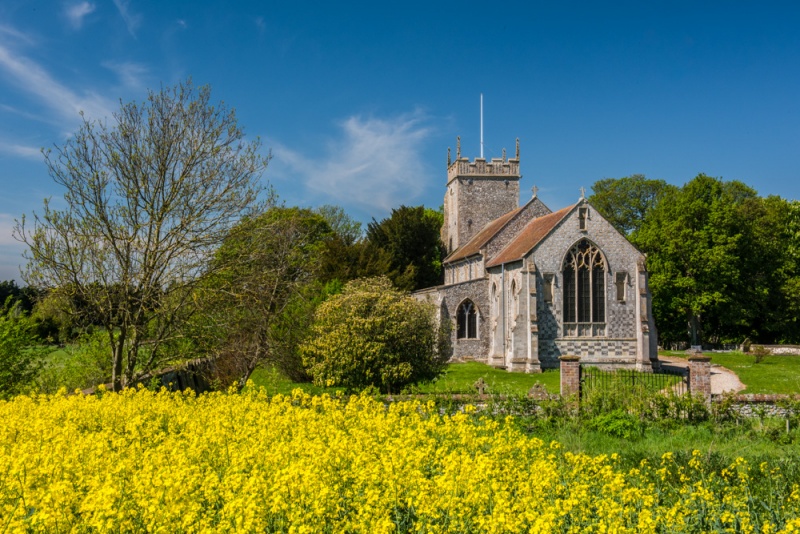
x,y
530,236
474,245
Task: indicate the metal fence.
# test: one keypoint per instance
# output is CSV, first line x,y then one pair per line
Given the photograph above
x,y
597,381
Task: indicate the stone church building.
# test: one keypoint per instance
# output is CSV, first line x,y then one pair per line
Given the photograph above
x,y
524,285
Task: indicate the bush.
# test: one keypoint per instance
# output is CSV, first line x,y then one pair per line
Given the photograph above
x,y
19,357
374,335
617,423
81,365
759,353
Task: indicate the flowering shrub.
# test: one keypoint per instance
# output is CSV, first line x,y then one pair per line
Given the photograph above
x,y
171,462
372,335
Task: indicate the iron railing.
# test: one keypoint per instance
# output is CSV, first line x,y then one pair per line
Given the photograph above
x,y
597,381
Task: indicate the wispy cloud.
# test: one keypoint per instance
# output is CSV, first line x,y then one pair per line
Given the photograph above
x,y
131,75
260,24
75,13
7,224
375,165
132,20
35,80
17,35
10,250
23,151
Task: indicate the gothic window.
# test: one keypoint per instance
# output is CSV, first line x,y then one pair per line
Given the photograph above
x,y
584,290
583,214
466,321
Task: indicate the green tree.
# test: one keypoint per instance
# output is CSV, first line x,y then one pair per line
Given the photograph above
x,y
148,198
342,224
20,360
695,240
625,202
26,296
771,301
411,239
258,305
371,334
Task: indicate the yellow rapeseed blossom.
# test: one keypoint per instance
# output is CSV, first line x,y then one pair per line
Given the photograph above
x,y
141,461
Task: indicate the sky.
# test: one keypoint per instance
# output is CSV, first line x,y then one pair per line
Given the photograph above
x,y
359,102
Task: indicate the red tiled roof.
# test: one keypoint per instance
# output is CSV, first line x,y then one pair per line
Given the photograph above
x,y
529,237
474,245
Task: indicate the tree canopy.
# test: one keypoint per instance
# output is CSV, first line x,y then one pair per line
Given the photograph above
x,y
625,202
257,306
410,237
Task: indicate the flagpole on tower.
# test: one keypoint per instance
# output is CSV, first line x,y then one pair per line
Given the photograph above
x,y
481,125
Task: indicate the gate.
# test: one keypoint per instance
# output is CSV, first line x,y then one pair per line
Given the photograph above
x,y
599,382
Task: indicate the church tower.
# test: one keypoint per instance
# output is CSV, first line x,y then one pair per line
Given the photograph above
x,y
478,192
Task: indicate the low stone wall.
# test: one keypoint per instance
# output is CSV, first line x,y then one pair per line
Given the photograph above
x,y
793,350
195,375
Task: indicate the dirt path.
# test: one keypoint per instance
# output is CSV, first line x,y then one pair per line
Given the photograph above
x,y
722,379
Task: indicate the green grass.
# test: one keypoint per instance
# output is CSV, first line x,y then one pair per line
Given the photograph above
x,y
461,377
458,378
274,382
749,440
775,374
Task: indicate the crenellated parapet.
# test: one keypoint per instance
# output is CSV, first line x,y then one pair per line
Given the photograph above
x,y
499,167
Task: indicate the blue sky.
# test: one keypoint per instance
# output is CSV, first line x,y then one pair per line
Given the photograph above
x,y
359,101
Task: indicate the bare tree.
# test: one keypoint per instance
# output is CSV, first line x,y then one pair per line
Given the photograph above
x,y
148,198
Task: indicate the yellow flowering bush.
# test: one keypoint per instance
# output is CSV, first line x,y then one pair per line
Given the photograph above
x,y
141,461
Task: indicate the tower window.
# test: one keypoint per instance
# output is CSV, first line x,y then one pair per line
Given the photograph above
x,y
467,321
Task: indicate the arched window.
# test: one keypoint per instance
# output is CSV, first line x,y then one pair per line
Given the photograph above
x,y
466,321
584,290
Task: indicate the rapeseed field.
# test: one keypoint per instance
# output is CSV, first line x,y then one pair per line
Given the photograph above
x,y
143,461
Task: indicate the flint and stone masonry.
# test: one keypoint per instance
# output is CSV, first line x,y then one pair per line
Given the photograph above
x,y
508,264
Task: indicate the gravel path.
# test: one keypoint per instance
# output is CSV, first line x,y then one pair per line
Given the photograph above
x,y
722,379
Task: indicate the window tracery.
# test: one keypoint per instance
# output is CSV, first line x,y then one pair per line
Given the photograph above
x,y
584,290
466,321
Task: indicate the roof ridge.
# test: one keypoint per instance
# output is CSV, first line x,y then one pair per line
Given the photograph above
x,y
453,256
556,216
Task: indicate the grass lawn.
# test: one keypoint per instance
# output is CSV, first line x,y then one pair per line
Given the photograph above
x,y
458,378
775,374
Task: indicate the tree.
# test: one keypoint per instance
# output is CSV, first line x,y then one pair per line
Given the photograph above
x,y
25,297
771,271
148,198
625,202
695,240
342,224
411,238
371,334
19,359
258,305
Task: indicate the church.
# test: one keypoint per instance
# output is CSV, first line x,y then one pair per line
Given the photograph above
x,y
525,285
